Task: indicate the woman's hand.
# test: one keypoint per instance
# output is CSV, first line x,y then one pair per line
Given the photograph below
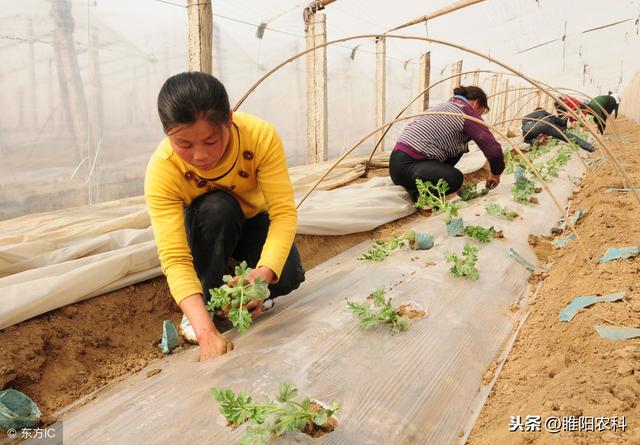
x,y
267,275
213,344
492,181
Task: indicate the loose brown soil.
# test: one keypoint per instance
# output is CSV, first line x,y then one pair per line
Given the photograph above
x,y
565,368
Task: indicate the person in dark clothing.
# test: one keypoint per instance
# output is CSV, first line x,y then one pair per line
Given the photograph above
x,y
601,107
617,98
553,126
431,145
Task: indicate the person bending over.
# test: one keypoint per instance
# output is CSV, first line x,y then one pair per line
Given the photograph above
x,y
217,187
553,126
431,145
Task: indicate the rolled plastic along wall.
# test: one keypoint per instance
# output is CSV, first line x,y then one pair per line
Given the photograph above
x,y
419,386
630,100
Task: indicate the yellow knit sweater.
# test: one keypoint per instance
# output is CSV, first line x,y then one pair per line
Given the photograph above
x,y
259,181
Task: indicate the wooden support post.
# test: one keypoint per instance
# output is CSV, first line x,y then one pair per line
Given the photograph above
x,y
457,69
52,104
97,118
317,111
425,78
476,79
32,77
71,87
381,77
495,100
505,100
200,31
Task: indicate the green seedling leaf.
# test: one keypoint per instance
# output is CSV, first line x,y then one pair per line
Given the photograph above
x,y
464,266
383,313
381,249
497,209
479,233
271,419
434,197
286,392
470,192
233,297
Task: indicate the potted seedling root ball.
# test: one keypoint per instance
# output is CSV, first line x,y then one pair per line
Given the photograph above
x,y
419,240
269,419
231,297
434,197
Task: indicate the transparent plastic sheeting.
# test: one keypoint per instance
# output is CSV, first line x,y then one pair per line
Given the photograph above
x,y
53,259
419,386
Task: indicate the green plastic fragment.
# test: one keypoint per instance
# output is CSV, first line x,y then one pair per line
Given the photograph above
x,y
564,241
620,253
617,332
169,337
578,303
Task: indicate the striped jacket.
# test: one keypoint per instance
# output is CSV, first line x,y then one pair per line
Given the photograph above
x,y
442,137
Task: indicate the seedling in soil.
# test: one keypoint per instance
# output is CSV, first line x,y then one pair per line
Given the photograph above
x,y
481,234
470,192
381,249
522,190
231,297
271,419
434,197
466,265
383,313
497,209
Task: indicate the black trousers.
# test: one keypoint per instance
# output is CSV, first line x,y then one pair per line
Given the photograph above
x,y
531,130
404,170
217,231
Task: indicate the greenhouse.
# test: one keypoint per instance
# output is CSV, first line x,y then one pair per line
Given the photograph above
x,y
331,221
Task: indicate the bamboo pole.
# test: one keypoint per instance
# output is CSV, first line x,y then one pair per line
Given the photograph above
x,y
381,78
438,13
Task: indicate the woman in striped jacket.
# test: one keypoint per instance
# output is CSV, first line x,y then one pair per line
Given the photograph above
x,y
431,145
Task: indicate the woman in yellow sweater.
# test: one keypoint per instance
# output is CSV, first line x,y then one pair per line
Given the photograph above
x,y
217,187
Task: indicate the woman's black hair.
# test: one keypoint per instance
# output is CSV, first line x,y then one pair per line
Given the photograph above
x,y
472,93
186,97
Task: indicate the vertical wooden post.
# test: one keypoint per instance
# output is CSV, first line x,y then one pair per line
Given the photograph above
x,y
71,87
495,100
476,79
96,85
317,111
52,105
457,69
381,82
200,31
538,98
505,101
32,76
425,78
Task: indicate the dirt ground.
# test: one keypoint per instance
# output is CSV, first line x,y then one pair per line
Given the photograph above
x,y
562,369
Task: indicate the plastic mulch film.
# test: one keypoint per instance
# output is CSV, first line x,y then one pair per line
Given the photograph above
x,y
419,386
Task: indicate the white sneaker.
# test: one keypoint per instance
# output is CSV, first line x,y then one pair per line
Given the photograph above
x,y
187,330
